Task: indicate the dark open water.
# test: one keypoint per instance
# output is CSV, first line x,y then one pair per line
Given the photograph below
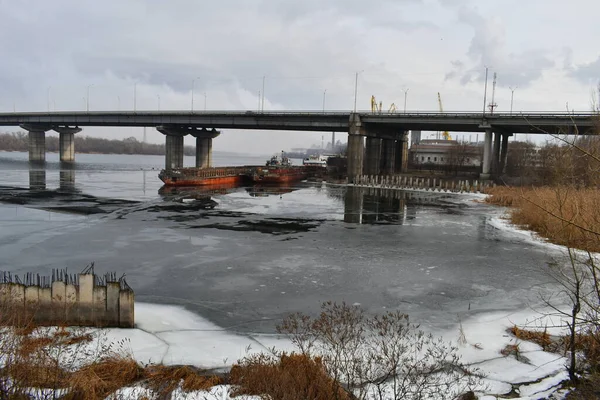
x,y
244,257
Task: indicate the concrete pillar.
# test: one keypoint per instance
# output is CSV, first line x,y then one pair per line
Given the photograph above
x,y
504,152
487,155
37,146
204,140
496,154
66,142
173,152
355,148
401,162
388,150
372,156
126,309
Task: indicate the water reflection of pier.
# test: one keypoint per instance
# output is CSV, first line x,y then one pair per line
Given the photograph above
x,y
363,205
37,177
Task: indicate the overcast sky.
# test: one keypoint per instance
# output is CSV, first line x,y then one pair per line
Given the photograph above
x,y
52,50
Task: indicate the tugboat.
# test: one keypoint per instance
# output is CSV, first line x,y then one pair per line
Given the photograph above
x,y
279,170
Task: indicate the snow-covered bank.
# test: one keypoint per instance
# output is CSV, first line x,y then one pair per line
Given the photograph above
x,y
174,336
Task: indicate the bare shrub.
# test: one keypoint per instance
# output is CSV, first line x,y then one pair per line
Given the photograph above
x,y
384,356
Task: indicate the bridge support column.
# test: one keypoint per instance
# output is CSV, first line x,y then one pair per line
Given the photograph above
x,y
372,156
66,142
487,155
504,153
355,148
174,151
496,154
402,153
204,147
389,156
37,146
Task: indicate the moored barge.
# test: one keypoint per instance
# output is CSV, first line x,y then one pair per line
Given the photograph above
x,y
206,176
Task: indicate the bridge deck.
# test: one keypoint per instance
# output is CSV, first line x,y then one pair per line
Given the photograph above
x,y
585,123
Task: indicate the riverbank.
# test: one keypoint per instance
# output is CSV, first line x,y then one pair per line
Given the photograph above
x,y
563,215
169,336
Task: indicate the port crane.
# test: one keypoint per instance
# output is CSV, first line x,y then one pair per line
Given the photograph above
x,y
376,108
445,134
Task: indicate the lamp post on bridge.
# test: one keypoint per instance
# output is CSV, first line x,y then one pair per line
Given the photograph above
x,y
356,87
193,88
48,97
158,97
134,96
405,96
87,98
512,95
324,93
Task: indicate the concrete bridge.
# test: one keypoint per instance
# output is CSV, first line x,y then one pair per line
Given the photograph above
x,y
384,151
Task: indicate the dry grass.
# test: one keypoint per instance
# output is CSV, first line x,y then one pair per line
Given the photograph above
x,y
564,215
543,339
99,379
288,377
587,344
163,380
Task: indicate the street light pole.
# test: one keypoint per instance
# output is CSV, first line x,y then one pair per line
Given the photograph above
x,y
485,89
324,93
204,101
87,99
158,97
134,96
262,104
355,90
512,96
48,98
405,96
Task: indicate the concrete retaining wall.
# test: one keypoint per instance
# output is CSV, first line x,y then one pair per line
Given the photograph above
x,y
72,300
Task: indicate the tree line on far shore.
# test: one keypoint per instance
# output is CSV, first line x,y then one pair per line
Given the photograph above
x,y
19,141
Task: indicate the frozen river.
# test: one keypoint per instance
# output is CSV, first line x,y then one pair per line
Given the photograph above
x,y
261,253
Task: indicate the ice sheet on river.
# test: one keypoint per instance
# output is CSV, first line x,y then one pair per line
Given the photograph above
x,y
175,336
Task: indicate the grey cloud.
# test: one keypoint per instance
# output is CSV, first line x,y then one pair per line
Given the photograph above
x,y
488,48
587,73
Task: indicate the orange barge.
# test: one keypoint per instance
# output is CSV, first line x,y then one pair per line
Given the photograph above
x,y
206,176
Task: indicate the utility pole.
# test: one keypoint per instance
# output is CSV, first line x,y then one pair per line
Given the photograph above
x,y
485,90
493,105
355,90
262,104
512,96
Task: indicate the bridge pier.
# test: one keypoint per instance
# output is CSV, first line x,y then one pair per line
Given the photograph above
x,y
355,147
388,162
496,154
504,152
204,147
37,142
487,155
66,142
372,155
402,153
